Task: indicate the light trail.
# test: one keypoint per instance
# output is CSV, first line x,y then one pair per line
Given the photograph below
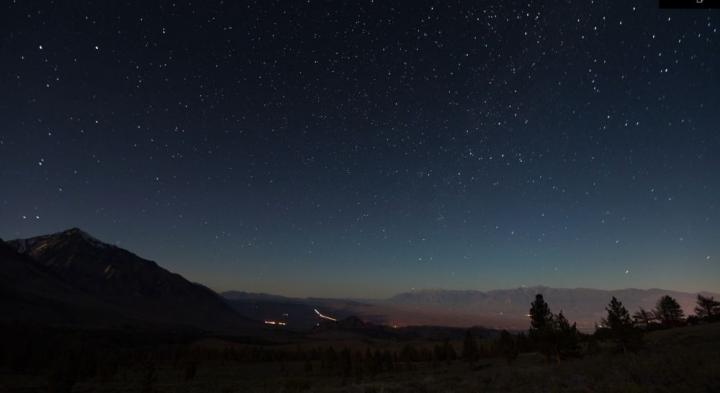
x,y
321,315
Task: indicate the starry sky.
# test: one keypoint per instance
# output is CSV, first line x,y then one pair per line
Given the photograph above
x,y
364,148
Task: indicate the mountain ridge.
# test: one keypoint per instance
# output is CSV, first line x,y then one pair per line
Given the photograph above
x,y
118,284
77,272
498,309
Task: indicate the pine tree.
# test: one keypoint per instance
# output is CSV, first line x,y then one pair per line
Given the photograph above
x,y
592,346
621,327
386,360
542,329
329,358
707,308
508,346
523,343
541,318
567,338
644,317
346,363
438,353
470,352
669,312
191,370
450,353
409,354
63,376
618,317
149,377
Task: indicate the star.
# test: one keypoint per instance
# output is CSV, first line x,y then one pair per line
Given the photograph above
x,y
459,130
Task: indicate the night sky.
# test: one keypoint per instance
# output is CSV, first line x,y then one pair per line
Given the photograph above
x,y
365,148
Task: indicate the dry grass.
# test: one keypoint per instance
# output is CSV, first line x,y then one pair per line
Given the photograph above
x,y
673,361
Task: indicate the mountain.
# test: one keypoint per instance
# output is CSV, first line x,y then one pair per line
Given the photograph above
x,y
297,313
29,293
498,309
73,278
108,285
510,306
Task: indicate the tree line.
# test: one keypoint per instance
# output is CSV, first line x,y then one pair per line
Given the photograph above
x,y
66,357
553,336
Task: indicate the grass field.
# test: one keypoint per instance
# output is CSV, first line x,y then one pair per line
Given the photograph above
x,y
679,360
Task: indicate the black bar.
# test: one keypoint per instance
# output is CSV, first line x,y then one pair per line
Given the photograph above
x,y
690,4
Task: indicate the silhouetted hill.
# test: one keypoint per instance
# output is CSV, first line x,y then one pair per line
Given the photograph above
x,y
82,273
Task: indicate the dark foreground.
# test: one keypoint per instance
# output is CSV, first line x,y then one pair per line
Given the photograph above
x,y
678,360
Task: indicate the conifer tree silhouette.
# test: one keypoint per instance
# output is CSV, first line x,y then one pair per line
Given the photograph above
x,y
707,308
622,330
470,352
669,312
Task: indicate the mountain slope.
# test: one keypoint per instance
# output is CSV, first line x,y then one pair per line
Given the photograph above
x,y
30,293
130,287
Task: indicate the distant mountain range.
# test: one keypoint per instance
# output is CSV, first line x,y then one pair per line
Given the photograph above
x,y
71,278
498,309
510,306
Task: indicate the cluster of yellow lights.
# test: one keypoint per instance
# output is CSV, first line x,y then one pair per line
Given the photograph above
x,y
276,323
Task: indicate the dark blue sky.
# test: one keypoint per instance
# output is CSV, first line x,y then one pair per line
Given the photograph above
x,y
370,147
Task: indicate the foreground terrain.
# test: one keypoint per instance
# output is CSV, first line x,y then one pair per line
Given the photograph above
x,y
677,360
80,315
